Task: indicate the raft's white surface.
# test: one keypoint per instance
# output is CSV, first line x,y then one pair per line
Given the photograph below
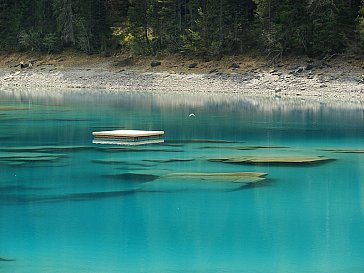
x,y
127,134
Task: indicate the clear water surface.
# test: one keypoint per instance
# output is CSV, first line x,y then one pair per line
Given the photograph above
x,y
68,205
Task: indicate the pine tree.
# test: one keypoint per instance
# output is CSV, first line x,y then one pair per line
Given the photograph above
x,y
4,9
333,26
204,27
65,19
139,24
100,25
361,23
236,24
283,25
166,24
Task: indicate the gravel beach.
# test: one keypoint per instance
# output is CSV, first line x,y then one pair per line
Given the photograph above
x,y
333,83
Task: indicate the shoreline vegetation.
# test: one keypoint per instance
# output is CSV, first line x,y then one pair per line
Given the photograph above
x,y
306,50
337,78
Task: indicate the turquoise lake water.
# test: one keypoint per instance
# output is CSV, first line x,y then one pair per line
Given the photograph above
x,y
69,205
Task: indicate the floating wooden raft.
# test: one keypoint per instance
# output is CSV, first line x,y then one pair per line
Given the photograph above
x,y
128,134
127,143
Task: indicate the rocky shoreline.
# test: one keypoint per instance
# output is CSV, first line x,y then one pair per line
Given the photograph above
x,y
308,82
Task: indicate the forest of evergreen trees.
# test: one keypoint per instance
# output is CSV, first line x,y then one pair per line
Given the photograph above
x,y
213,27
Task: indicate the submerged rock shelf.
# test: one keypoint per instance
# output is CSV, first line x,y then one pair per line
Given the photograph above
x,y
245,147
204,181
344,151
274,160
47,149
150,183
11,108
190,181
187,141
235,177
27,157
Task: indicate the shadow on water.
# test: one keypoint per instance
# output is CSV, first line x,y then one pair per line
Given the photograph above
x,y
93,196
122,149
172,160
132,177
72,120
89,196
6,260
122,162
187,141
46,149
16,188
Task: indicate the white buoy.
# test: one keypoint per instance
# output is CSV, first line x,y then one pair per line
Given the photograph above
x,y
192,115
